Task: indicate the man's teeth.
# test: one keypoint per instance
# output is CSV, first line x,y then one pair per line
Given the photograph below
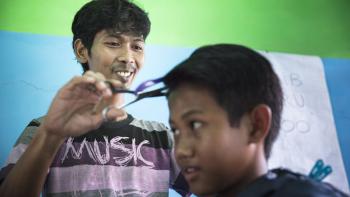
x,y
124,74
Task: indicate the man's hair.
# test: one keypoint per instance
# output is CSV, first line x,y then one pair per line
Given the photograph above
x,y
239,80
120,16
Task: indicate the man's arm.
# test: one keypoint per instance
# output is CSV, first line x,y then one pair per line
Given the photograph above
x,y
73,112
28,175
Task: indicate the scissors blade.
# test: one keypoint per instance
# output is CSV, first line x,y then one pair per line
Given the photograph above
x,y
152,93
149,94
126,104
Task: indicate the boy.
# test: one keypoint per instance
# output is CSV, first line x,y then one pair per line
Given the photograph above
x,y
225,105
78,149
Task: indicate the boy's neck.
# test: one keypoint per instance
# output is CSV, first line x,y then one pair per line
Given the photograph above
x,y
257,169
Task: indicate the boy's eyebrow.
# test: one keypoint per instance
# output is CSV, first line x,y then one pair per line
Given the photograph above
x,y
187,114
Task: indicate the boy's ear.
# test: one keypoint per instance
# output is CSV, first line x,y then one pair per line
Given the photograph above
x,y
80,51
261,117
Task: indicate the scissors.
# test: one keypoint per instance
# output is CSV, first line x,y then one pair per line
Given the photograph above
x,y
140,92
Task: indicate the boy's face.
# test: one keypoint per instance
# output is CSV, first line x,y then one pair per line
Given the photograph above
x,y
213,155
117,56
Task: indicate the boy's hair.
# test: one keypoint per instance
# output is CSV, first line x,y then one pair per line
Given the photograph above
x,y
239,80
119,16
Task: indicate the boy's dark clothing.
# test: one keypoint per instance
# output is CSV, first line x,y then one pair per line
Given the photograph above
x,y
284,183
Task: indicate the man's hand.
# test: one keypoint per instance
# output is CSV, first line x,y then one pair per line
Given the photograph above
x,y
75,110
77,107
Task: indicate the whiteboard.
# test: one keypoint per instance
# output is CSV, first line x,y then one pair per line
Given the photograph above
x,y
307,129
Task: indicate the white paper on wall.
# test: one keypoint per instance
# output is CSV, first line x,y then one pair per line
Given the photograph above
x,y
307,129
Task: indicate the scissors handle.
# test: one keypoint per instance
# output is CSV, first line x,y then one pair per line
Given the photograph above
x,y
147,84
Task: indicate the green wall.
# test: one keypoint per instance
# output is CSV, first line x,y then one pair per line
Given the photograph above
x,y
318,27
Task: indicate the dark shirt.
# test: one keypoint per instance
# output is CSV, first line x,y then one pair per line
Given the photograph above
x,y
284,183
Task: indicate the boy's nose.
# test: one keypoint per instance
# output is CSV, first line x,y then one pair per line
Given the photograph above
x,y
184,149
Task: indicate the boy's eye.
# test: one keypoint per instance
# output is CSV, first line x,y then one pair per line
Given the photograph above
x,y
195,125
175,131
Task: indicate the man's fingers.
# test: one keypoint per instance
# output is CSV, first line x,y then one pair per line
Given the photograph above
x,y
116,84
104,89
79,80
109,113
94,83
117,114
99,84
98,76
101,104
112,113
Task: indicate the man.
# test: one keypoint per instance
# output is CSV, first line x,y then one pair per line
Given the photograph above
x,y
85,146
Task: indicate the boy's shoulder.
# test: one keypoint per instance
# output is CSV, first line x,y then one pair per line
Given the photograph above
x,y
283,182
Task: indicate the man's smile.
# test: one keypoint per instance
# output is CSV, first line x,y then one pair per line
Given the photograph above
x,y
125,75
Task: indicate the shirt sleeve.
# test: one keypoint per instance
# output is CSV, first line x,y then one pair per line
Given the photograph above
x,y
19,147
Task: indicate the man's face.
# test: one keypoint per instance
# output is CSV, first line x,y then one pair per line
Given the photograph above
x,y
212,155
117,56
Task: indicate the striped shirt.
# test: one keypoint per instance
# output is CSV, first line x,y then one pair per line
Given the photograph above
x,y
127,158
